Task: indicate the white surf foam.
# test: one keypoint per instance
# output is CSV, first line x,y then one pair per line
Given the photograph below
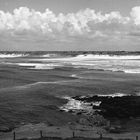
x,y
91,56
49,55
136,71
76,76
4,55
115,63
38,65
113,95
77,105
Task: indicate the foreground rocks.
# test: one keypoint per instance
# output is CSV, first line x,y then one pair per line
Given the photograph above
x,y
117,107
118,113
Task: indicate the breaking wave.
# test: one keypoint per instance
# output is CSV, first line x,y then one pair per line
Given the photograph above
x,y
38,65
132,71
49,55
88,57
129,63
91,56
12,55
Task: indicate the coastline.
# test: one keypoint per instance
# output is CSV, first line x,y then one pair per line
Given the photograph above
x,y
41,101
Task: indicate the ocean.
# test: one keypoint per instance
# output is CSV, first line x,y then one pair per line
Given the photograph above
x,y
35,85
127,62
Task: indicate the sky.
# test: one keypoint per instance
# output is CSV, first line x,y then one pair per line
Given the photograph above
x,y
69,25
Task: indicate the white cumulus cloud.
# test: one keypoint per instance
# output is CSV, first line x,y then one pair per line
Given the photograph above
x,y
86,22
135,14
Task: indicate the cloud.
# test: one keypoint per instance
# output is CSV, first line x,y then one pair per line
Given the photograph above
x,y
24,18
85,23
135,14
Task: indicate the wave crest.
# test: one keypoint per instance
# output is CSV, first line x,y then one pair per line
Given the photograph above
x,y
96,56
12,55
